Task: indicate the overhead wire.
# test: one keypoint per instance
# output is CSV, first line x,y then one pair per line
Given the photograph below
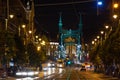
x,y
65,3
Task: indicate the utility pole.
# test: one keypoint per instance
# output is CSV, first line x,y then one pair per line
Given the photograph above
x,y
7,15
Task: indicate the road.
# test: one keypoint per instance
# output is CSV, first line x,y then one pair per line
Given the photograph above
x,y
75,74
68,74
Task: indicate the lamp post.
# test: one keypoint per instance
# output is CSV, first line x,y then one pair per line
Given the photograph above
x,y
106,33
7,15
98,37
102,32
115,14
99,3
6,26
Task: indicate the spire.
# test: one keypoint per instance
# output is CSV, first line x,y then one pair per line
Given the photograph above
x,y
60,22
80,25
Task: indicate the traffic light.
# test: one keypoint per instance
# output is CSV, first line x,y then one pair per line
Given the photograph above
x,y
69,62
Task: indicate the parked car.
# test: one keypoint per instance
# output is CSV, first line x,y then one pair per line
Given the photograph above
x,y
3,73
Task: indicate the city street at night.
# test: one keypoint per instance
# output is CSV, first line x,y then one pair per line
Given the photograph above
x,y
68,74
60,39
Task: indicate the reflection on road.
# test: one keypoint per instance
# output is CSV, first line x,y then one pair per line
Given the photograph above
x,y
47,73
28,78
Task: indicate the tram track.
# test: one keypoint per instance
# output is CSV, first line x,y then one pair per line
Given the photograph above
x,y
68,74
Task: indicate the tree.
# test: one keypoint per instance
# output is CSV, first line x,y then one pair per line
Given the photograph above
x,y
34,57
7,46
20,53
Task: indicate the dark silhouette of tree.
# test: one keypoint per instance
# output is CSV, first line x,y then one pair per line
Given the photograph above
x,y
20,53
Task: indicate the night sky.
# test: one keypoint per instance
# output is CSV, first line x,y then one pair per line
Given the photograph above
x,y
47,17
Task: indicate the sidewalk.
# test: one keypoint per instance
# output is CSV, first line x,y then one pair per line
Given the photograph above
x,y
99,76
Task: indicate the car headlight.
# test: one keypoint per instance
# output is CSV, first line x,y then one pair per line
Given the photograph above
x,y
36,72
24,73
60,65
19,73
49,64
30,73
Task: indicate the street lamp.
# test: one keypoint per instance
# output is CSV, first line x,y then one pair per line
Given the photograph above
x,y
11,16
115,16
30,31
115,5
43,43
93,42
36,37
106,27
102,32
95,39
99,3
23,26
98,37
38,48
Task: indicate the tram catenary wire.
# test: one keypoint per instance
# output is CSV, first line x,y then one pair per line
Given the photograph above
x,y
67,3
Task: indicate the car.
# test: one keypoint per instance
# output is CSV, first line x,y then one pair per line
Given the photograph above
x,y
51,65
27,72
83,68
3,73
60,64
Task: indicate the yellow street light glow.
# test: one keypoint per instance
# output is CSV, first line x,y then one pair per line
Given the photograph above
x,y
95,39
39,39
43,43
23,26
115,5
115,16
106,27
38,48
36,36
98,37
102,32
93,42
11,16
30,31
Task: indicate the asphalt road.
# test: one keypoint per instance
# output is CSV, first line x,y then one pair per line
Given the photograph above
x,y
76,74
69,74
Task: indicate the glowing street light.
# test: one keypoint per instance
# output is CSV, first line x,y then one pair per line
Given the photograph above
x,y
43,43
95,39
30,31
36,36
40,39
115,16
23,26
38,48
99,3
115,5
93,42
106,27
102,32
11,16
98,37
